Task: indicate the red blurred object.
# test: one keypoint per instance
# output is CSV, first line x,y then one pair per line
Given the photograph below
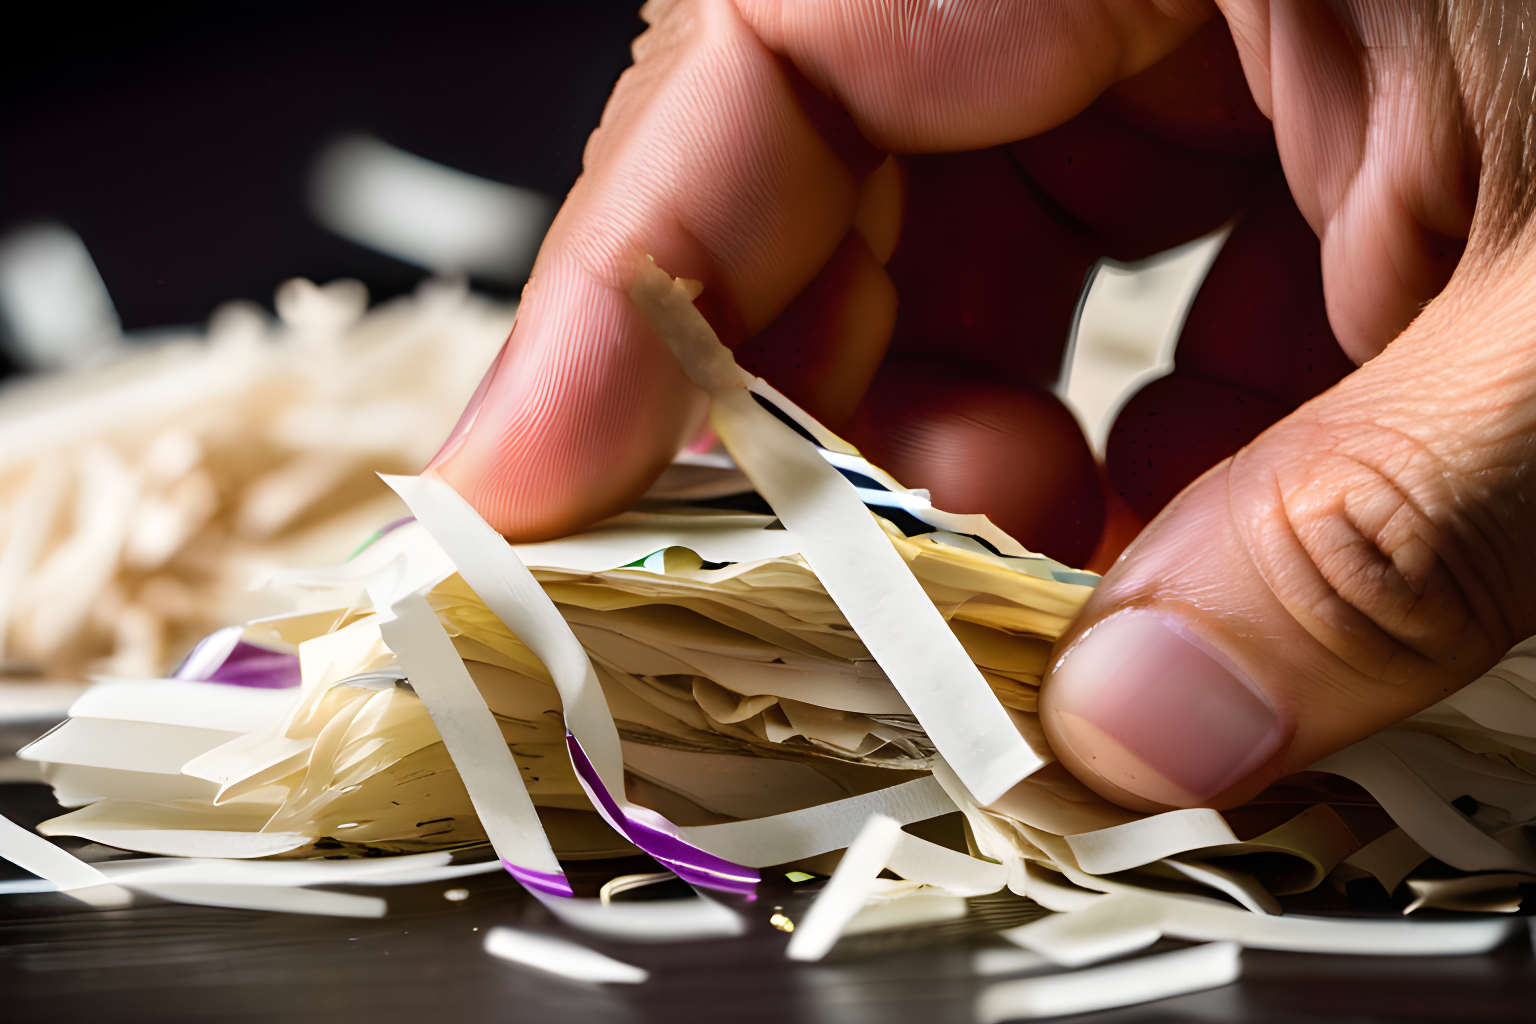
x,y
987,273
1010,451
1256,346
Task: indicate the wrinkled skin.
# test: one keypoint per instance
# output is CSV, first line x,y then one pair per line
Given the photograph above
x,y
1355,546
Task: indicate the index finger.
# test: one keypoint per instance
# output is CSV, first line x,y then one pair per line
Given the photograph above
x,y
708,160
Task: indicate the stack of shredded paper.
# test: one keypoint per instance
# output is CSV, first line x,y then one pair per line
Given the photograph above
x,y
139,495
729,691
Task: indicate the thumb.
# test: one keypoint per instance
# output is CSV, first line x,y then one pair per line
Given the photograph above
x,y
1362,559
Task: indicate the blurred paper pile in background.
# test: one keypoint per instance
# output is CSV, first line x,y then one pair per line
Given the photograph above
x,y
143,490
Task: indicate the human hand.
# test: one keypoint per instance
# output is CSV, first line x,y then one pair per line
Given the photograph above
x,y
1358,561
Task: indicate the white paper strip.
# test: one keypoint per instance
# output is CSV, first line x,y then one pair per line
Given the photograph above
x,y
220,706
1134,912
39,856
651,921
480,753
1109,927
1434,824
1135,843
279,899
958,874
713,538
175,842
1496,704
849,552
794,835
557,956
125,746
494,572
907,912
846,891
400,870
1101,988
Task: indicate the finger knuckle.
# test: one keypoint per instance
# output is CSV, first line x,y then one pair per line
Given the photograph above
x,y
1402,583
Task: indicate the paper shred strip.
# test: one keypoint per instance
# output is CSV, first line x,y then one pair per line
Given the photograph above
x,y
1101,988
1131,918
795,835
558,956
495,573
479,751
408,869
279,899
846,891
850,553
493,570
1432,822
921,861
687,861
1135,843
644,922
37,855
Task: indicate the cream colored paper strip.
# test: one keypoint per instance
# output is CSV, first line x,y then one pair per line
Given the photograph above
x,y
849,552
1102,988
560,956
280,899
848,889
495,573
1419,811
1141,842
1130,919
479,752
39,856
794,835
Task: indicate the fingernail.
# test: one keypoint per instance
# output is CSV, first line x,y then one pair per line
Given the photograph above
x,y
467,417
1144,704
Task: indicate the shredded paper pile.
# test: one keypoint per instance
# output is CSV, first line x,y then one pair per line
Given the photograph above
x,y
731,692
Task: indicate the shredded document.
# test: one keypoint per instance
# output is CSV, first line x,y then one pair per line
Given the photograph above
x,y
736,686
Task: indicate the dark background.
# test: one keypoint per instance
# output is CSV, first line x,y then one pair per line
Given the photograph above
x,y
174,137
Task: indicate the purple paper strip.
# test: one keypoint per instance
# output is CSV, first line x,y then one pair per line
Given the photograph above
x,y
222,657
688,862
550,884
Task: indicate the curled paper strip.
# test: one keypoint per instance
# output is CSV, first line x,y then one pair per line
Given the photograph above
x,y
659,838
680,664
501,580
